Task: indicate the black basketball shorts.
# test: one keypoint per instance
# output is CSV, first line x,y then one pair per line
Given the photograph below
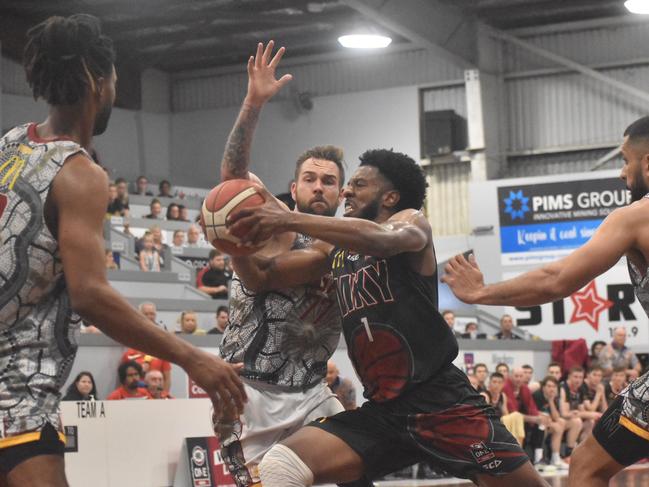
x,y
443,421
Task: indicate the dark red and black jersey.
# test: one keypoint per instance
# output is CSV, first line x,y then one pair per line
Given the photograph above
x,y
395,335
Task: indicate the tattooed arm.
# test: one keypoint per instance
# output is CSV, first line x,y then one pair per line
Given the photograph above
x,y
262,86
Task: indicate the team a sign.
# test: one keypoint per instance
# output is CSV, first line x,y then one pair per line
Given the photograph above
x,y
543,222
592,312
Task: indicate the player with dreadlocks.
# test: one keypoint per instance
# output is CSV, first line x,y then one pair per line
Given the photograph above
x,y
52,205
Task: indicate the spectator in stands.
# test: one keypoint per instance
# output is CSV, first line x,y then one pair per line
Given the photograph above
x,y
519,398
506,327
189,324
141,186
166,190
155,208
113,207
155,385
471,331
593,390
160,246
178,241
148,363
130,377
473,380
514,421
149,256
173,212
122,195
82,389
573,407
617,354
503,369
449,317
615,385
595,348
183,213
546,399
481,373
222,316
194,237
554,369
529,378
342,388
214,280
150,311
110,260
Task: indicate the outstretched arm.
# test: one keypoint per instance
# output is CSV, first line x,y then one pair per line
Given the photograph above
x,y
405,231
262,86
615,237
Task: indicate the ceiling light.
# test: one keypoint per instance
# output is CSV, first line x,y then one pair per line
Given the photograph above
x,y
637,6
364,41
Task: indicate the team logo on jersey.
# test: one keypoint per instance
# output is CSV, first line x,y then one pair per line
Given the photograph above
x,y
482,453
11,166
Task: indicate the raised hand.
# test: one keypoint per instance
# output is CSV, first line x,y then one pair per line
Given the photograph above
x,y
262,84
464,278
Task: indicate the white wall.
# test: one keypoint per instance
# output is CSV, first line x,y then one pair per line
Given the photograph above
x,y
358,121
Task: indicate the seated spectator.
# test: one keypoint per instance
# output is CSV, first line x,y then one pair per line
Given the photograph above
x,y
173,212
481,373
130,377
165,189
183,213
82,389
471,331
178,241
155,385
593,390
213,280
617,354
148,363
615,384
573,407
222,316
519,398
194,239
342,388
529,378
546,399
155,208
160,246
554,369
595,348
503,369
514,421
141,185
449,317
110,260
473,380
506,327
122,196
150,311
114,206
149,256
189,324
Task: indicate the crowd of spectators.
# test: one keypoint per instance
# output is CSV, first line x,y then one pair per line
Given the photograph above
x,y
472,330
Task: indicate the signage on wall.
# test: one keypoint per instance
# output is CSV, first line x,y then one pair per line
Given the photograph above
x,y
592,312
201,464
543,222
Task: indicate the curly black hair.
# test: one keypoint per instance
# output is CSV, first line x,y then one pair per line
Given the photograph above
x,y
404,174
123,369
64,55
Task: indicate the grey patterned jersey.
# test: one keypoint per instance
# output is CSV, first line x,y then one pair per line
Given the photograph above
x,y
283,337
37,328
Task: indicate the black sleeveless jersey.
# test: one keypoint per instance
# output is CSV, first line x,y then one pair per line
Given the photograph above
x,y
396,337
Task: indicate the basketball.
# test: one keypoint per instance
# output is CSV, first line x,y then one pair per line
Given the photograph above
x,y
225,199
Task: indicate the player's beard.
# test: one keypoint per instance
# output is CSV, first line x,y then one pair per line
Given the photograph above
x,y
101,120
305,207
639,188
370,211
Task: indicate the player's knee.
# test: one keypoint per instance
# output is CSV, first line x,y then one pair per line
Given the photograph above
x,y
281,467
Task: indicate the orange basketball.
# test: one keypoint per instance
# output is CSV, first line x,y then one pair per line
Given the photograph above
x,y
227,198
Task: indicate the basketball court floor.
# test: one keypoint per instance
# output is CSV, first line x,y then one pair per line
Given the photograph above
x,y
634,476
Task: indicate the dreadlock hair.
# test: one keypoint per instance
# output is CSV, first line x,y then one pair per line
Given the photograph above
x,y
64,56
402,172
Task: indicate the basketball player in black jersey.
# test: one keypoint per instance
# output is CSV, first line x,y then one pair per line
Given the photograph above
x,y
420,406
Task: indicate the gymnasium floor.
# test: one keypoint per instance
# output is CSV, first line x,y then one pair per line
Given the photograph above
x,y
635,476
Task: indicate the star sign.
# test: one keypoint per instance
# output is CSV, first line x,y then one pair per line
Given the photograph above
x,y
588,306
516,204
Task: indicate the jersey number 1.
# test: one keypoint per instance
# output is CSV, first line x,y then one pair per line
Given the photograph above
x,y
366,324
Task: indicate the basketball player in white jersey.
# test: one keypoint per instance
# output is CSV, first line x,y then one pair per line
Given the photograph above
x,y
621,436
284,338
53,201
